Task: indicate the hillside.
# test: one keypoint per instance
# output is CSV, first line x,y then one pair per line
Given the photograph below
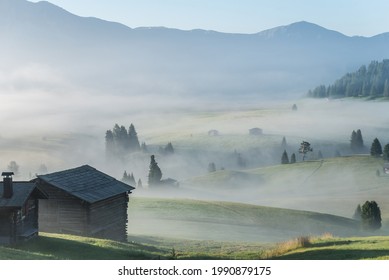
x,y
227,221
333,185
368,81
118,59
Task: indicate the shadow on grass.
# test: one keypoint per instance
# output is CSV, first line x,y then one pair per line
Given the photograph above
x,y
333,254
78,250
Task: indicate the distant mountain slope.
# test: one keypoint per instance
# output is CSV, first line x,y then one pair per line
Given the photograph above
x,y
105,56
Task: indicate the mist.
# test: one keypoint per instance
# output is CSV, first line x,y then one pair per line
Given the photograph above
x,y
66,80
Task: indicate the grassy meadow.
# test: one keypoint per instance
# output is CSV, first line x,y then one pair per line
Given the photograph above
x,y
243,212
325,247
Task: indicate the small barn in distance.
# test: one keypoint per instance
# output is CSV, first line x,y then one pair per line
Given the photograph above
x,y
255,131
84,201
18,209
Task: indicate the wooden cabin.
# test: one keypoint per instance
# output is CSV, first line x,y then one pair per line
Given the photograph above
x,y
255,131
18,209
84,201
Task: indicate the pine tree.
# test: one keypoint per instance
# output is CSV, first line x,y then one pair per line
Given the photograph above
x,y
120,138
353,141
133,141
169,149
284,158
376,148
359,140
140,185
125,177
211,167
371,215
109,144
293,158
131,180
356,141
155,173
386,152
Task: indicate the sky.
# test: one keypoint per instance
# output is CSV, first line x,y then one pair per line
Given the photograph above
x,y
350,17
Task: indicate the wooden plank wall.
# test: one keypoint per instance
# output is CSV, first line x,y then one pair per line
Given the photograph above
x,y
62,213
108,218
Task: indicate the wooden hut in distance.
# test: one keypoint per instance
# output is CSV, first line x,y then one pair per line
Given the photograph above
x,y
84,201
18,209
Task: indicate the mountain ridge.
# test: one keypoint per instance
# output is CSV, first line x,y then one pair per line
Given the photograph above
x,y
202,63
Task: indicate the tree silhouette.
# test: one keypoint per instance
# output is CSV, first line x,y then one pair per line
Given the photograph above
x,y
376,148
155,173
371,216
284,158
305,147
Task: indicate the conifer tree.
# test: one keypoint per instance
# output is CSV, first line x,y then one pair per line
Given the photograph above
x,y
293,158
125,177
140,185
133,141
131,180
371,215
169,149
376,148
284,158
109,143
359,140
386,152
155,173
353,141
211,167
356,141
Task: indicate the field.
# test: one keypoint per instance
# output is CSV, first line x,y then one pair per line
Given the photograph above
x,y
55,246
228,221
238,211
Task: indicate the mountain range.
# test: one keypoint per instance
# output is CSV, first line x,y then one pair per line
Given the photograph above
x,y
47,48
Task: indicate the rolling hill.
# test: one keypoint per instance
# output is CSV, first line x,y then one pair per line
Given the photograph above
x,y
333,185
228,221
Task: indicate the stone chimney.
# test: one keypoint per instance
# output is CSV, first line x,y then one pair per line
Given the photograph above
x,y
8,190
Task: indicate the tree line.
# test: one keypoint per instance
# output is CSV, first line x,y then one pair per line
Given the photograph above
x,y
119,141
371,81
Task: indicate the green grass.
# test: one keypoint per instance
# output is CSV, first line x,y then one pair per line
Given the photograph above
x,y
351,248
333,185
60,246
228,221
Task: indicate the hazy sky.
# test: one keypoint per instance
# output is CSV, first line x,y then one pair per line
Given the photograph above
x,y
350,17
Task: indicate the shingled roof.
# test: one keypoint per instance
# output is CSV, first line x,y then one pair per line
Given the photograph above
x,y
86,183
21,192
